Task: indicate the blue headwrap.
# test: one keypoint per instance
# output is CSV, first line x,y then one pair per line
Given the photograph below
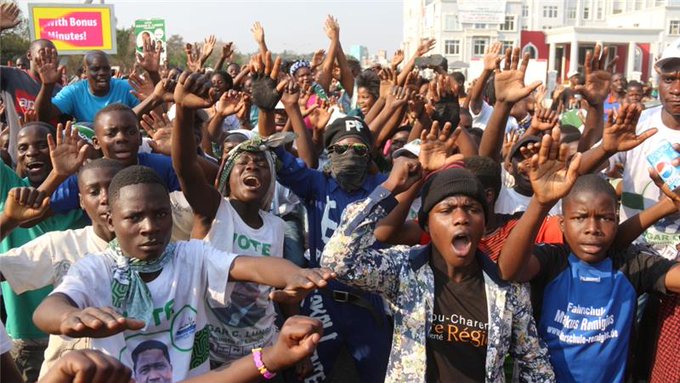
x,y
297,65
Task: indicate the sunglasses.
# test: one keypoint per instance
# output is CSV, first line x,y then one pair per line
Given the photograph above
x,y
358,149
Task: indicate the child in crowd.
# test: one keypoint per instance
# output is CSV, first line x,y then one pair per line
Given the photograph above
x,y
144,289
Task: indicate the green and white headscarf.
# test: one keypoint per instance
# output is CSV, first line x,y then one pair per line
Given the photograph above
x,y
255,145
129,293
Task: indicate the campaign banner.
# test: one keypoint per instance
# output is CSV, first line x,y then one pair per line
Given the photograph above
x,y
481,11
152,30
74,28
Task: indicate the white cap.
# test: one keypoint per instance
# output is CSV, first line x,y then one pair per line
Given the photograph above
x,y
412,147
572,73
671,53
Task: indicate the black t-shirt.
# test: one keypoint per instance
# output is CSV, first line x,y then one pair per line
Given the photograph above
x,y
644,269
456,343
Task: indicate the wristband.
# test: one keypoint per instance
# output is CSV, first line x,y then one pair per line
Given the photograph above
x,y
257,358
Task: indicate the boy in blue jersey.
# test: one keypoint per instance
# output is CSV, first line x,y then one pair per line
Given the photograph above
x,y
585,291
118,137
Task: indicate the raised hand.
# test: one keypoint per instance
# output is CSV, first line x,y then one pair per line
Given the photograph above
x,y
266,92
228,103
258,32
492,57
317,58
150,58
397,59
320,116
332,28
228,50
192,91
673,195
299,284
436,148
142,86
68,152
619,133
97,322
87,366
509,83
397,97
388,79
551,177
425,46
193,61
404,174
544,119
509,140
598,76
48,66
208,47
291,93
25,204
9,16
159,129
297,340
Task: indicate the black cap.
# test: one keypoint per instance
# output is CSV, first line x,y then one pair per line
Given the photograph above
x,y
347,127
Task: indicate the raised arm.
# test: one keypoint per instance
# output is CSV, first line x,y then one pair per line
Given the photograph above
x,y
619,135
332,29
47,67
22,205
201,195
305,147
510,88
9,16
492,59
227,52
551,179
425,46
258,35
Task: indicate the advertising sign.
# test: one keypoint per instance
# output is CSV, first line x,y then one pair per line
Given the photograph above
x,y
74,28
481,11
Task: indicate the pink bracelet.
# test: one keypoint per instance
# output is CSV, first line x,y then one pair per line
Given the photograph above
x,y
257,358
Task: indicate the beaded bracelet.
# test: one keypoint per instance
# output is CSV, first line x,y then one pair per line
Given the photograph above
x,y
257,358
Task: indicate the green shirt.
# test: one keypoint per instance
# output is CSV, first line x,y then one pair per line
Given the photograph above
x,y
20,307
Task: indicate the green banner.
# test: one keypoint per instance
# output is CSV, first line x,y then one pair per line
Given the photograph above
x,y
151,29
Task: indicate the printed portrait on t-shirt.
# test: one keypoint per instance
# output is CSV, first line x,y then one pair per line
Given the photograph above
x,y
151,362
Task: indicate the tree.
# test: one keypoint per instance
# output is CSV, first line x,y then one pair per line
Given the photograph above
x,y
14,42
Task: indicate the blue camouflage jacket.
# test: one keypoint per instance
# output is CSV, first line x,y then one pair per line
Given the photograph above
x,y
403,277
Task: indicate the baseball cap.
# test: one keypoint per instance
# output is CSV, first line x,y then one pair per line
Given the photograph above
x,y
670,54
412,147
572,73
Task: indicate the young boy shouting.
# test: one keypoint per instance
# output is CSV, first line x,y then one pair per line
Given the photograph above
x,y
144,288
585,291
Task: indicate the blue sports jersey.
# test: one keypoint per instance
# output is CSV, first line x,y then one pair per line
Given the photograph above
x,y
77,100
587,309
65,198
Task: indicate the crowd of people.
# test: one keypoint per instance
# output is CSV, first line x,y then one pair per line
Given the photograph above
x,y
279,220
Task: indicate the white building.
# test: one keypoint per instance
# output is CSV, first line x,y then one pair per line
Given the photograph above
x,y
635,30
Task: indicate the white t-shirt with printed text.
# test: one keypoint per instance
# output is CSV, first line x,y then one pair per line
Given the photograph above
x,y
640,192
197,271
248,321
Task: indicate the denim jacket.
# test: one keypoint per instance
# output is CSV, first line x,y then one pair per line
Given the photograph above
x,y
403,277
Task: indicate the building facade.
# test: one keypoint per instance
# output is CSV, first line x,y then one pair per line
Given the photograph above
x,y
559,31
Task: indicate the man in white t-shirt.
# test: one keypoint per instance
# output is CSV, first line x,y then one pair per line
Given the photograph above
x,y
144,288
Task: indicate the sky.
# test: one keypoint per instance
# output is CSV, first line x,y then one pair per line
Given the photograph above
x,y
289,25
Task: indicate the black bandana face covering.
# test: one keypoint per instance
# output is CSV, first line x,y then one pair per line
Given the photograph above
x,y
349,170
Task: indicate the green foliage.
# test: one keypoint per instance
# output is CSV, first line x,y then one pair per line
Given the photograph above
x,y
14,42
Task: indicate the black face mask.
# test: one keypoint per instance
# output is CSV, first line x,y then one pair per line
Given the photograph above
x,y
349,170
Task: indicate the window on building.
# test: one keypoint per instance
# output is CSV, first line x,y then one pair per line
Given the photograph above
x,y
509,24
674,27
550,11
571,13
479,46
637,62
480,26
506,44
452,47
525,27
451,23
599,13
617,7
586,13
525,11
